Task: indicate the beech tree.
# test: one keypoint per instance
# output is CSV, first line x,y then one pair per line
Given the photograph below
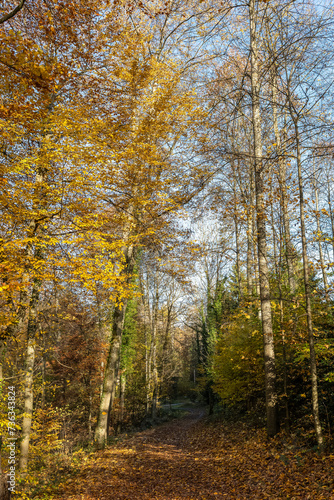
x,y
37,138
166,206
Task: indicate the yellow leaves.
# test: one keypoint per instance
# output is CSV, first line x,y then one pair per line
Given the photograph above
x,y
89,149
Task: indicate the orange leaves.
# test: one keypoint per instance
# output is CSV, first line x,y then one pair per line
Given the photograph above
x,y
87,118
194,459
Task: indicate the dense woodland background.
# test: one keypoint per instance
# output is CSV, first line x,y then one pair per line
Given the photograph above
x,y
167,219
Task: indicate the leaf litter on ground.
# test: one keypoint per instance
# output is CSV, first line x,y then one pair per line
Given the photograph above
x,y
194,458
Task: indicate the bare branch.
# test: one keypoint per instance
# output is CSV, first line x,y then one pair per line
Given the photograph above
x,y
11,14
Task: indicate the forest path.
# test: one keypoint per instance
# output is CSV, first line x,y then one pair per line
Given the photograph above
x,y
192,459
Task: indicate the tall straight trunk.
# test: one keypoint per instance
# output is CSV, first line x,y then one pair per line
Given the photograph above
x,y
274,239
253,232
112,364
153,350
313,363
256,257
32,326
282,249
36,252
249,252
147,339
111,416
268,338
28,404
154,378
29,378
329,198
166,340
147,372
321,255
110,374
282,185
90,407
236,232
99,323
122,386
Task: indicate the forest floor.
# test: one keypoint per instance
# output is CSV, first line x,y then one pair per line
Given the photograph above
x,y
193,458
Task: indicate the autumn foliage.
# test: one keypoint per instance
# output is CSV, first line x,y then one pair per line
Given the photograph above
x,y
167,231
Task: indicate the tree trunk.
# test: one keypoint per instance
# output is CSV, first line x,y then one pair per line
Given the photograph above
x,y
282,330
313,363
329,198
29,373
321,255
110,374
90,400
28,403
236,232
269,352
154,349
111,369
154,378
35,231
4,492
255,258
249,252
147,372
289,251
122,386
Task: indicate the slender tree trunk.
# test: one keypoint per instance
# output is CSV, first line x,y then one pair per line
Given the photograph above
x,y
99,322
29,375
35,250
274,239
148,352
236,232
313,363
111,369
255,257
110,374
154,349
249,252
166,342
269,352
154,381
28,395
122,386
5,494
282,247
283,190
90,432
321,255
331,214
27,317
147,372
32,329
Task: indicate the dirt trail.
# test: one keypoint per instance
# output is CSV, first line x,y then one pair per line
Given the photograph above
x,y
190,459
